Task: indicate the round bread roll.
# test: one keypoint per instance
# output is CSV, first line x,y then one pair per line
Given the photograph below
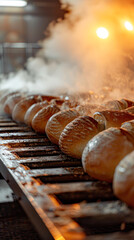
x,y
57,123
22,106
104,152
123,181
32,111
41,117
11,101
112,118
76,134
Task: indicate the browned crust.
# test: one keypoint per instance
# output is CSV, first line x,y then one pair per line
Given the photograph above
x,y
129,103
112,118
21,107
104,152
130,110
76,134
32,110
123,182
4,97
11,101
41,117
115,105
57,123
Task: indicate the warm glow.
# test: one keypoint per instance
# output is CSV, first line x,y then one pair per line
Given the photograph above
x,y
15,3
128,26
102,32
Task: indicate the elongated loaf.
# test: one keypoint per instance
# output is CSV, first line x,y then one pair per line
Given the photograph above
x,y
32,110
22,106
115,105
123,182
103,152
57,123
130,110
112,118
11,101
76,134
129,126
42,116
127,102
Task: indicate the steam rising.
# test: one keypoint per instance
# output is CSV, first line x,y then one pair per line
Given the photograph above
x,y
74,59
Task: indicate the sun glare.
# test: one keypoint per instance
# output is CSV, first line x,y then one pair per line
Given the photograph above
x,y
128,26
102,32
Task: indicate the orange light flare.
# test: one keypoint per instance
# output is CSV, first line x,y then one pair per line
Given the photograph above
x,y
129,26
102,32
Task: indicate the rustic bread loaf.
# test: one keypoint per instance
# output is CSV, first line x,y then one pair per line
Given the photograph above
x,y
103,152
57,123
112,118
76,134
40,119
123,182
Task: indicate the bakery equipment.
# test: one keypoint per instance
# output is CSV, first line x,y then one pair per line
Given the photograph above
x,y
60,200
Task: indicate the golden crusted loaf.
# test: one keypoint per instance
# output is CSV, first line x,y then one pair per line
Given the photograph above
x,y
41,117
57,123
115,105
32,110
123,182
130,110
76,134
112,118
129,126
11,101
22,106
103,152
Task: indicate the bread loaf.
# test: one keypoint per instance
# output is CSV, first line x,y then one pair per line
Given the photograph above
x,y
130,110
115,105
4,96
76,134
123,182
57,123
127,102
103,152
41,117
112,118
11,101
32,110
22,106
129,126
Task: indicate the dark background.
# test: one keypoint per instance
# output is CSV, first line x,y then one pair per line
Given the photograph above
x,y
24,25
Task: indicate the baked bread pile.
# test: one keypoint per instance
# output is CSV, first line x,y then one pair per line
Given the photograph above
x,y
102,136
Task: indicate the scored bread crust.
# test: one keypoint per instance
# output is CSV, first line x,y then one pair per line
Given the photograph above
x,y
123,181
112,118
11,101
103,152
22,106
115,105
130,110
42,116
57,123
76,134
32,110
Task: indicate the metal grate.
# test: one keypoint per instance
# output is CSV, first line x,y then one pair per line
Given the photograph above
x,y
60,199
